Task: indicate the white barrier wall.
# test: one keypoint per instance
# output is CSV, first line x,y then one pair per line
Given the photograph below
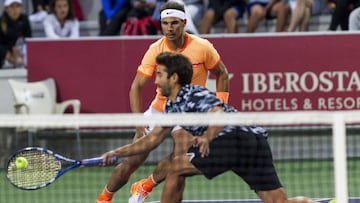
x,y
6,98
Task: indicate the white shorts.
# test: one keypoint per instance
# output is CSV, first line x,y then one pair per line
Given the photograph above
x,y
152,111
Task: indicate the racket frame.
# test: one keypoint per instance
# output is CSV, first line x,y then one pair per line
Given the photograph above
x,y
73,164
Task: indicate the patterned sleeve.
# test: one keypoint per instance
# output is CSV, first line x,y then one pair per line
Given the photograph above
x,y
202,101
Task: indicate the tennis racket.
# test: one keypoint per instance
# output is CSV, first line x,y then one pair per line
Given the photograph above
x,y
43,168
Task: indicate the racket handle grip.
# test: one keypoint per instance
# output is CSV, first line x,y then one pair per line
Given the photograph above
x,y
96,161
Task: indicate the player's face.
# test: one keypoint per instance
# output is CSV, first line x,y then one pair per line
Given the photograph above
x,y
61,9
162,81
172,27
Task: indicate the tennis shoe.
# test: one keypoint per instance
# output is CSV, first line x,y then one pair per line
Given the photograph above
x,y
140,191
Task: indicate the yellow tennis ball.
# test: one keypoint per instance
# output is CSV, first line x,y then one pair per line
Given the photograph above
x,y
332,201
21,162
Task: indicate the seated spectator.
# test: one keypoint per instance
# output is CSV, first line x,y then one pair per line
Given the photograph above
x,y
194,10
78,12
354,20
269,9
112,16
341,13
156,12
142,8
139,20
41,9
14,27
228,11
61,21
300,15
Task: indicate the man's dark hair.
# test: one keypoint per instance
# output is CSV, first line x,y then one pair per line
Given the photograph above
x,y
176,63
172,5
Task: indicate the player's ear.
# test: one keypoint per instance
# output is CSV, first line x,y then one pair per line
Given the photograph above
x,y
175,77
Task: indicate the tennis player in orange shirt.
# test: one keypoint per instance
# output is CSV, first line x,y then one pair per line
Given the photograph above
x,y
204,58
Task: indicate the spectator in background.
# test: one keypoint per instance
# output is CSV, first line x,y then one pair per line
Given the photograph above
x,y
354,20
139,20
229,11
300,14
14,27
141,8
269,9
61,21
41,9
78,10
112,16
156,12
341,13
194,10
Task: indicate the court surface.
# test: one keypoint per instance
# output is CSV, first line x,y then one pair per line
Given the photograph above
x,y
352,200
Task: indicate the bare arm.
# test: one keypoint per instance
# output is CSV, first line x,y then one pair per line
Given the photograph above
x,y
135,94
142,145
222,77
203,141
222,82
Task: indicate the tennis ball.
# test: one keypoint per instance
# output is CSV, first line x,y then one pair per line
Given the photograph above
x,y
21,162
332,201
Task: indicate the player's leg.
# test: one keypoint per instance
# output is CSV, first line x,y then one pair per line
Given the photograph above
x,y
175,180
120,176
261,174
140,190
279,196
123,171
182,166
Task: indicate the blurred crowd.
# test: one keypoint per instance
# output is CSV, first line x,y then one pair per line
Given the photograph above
x,y
62,18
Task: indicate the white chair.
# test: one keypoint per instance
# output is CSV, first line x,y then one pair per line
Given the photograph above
x,y
40,98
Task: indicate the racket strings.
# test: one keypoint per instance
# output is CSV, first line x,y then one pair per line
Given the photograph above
x,y
42,169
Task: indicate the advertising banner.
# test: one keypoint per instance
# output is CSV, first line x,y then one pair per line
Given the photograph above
x,y
267,72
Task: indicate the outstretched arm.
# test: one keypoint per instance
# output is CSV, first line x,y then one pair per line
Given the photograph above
x,y
144,144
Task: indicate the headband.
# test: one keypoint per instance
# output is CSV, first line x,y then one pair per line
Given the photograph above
x,y
173,13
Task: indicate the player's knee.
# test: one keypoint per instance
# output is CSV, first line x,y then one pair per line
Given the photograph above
x,y
176,167
164,164
161,169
